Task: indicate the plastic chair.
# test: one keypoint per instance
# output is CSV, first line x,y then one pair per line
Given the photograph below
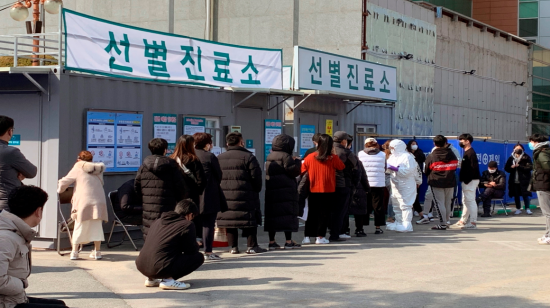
x,y
113,198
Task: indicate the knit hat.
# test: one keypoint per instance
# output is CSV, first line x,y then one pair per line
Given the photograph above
x,y
370,140
492,164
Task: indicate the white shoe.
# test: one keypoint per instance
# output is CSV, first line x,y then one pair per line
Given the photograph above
x,y
517,212
430,215
416,214
322,241
152,283
306,241
425,220
174,285
529,212
448,222
74,255
344,236
96,255
470,226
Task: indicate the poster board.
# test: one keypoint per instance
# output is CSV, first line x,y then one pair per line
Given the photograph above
x,y
165,127
115,139
306,135
273,128
192,125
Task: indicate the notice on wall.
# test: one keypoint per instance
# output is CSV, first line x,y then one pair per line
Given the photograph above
x,y
306,135
115,139
329,127
192,125
235,129
165,127
15,140
216,151
273,128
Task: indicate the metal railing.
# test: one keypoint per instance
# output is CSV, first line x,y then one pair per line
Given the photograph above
x,y
20,46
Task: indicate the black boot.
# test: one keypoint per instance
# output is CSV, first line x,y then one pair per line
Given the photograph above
x,y
486,213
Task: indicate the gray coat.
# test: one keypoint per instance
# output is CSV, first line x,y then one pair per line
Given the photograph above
x,y
12,162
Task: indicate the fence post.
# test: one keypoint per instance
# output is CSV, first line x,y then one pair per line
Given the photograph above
x,y
15,59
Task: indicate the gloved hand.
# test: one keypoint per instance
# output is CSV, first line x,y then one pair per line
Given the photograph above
x,y
393,168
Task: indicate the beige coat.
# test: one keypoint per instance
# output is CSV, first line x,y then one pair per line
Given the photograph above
x,y
15,256
89,196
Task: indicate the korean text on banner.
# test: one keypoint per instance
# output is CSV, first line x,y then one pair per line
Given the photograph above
x,y
165,127
103,47
317,70
273,128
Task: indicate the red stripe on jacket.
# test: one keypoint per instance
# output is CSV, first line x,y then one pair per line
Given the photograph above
x,y
444,166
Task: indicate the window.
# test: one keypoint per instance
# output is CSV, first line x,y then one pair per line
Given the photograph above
x,y
529,27
213,128
541,101
529,10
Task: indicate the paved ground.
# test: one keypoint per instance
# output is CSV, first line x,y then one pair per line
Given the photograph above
x,y
498,265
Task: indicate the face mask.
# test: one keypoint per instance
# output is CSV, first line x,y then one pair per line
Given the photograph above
x,y
531,146
461,145
414,147
392,151
519,152
492,171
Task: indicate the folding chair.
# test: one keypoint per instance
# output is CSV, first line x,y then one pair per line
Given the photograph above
x,y
64,225
113,198
502,203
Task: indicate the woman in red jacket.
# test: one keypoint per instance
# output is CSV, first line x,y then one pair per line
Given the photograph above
x,y
321,167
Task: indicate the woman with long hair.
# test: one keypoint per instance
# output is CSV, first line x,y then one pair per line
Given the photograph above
x,y
193,173
519,165
212,199
321,167
89,205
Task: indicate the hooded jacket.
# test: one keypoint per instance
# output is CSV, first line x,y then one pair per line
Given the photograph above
x,y
212,200
281,188
374,163
441,167
523,170
160,184
169,237
404,181
15,259
12,162
88,200
241,185
541,175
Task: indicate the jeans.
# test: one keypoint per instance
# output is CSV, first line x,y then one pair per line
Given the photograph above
x,y
488,195
544,203
42,303
516,188
469,201
181,266
250,233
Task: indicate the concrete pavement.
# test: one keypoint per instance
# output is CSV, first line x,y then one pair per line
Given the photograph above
x,y
498,265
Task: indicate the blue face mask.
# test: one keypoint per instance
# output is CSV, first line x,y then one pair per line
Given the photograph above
x,y
531,146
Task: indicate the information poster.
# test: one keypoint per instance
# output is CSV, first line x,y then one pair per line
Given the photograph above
x,y
115,139
192,125
273,128
306,135
328,129
165,127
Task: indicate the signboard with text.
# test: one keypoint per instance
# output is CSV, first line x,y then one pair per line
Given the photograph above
x,y
165,127
192,125
273,128
306,135
318,70
104,47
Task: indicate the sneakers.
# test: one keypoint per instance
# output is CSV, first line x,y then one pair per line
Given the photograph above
x,y
425,220
96,255
544,241
152,283
74,255
517,212
174,285
379,231
470,226
306,241
322,241
430,215
439,227
345,236
255,250
448,222
360,233
274,246
458,226
292,245
235,251
529,212
212,257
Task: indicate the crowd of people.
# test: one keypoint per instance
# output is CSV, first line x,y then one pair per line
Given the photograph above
x,y
180,200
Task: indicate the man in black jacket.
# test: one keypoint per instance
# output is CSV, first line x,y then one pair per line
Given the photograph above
x,y
494,182
469,176
541,178
346,180
160,183
172,251
241,184
440,169
129,208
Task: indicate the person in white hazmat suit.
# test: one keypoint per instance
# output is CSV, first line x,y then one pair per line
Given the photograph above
x,y
405,175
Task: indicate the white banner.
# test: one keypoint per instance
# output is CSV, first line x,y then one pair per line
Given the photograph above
x,y
317,70
102,47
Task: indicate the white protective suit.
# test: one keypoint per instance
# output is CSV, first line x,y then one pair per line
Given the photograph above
x,y
403,184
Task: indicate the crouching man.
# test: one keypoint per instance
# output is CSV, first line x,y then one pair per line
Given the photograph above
x,y
26,204
171,250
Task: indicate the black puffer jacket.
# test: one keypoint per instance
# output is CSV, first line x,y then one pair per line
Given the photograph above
x,y
541,175
359,202
349,177
212,199
160,185
303,192
523,169
241,185
281,188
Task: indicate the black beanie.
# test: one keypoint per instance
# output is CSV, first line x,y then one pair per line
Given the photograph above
x,y
492,164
